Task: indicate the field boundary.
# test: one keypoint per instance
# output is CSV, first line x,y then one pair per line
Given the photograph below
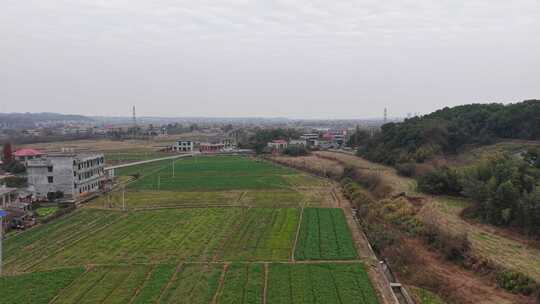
x,y
265,286
141,285
219,289
170,281
297,234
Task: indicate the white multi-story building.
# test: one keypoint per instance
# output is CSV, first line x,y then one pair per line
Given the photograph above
x,y
183,146
72,174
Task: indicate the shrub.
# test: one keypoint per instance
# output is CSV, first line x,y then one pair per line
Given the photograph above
x,y
297,150
52,196
406,169
14,167
440,181
15,182
516,282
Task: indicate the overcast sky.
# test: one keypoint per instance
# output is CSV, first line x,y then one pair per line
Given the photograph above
x,y
289,58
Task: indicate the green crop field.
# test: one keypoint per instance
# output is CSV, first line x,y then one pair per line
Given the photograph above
x,y
158,236
214,173
319,283
216,181
136,200
194,283
222,230
36,287
324,235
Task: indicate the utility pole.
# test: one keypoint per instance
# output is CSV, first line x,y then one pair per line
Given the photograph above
x,y
2,214
124,198
158,181
173,168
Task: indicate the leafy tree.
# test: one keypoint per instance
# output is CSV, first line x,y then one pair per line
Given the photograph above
x,y
358,138
7,152
440,181
296,151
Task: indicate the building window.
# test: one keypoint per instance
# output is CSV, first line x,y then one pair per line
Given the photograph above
x,y
50,179
49,168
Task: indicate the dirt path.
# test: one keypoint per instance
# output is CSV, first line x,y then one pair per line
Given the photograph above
x,y
367,256
265,287
221,283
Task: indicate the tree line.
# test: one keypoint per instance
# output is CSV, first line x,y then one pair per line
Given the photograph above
x,y
448,130
504,188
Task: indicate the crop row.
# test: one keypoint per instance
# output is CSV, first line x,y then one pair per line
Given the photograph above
x,y
324,235
25,249
319,283
158,236
194,283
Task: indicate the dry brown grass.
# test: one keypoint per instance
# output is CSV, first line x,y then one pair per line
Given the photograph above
x,y
313,164
100,145
488,243
388,175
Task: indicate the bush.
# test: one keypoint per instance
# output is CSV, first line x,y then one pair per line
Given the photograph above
x,y
296,151
516,282
52,196
406,169
440,181
16,182
14,167
454,247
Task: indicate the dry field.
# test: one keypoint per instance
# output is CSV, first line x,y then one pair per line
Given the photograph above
x,y
488,242
388,175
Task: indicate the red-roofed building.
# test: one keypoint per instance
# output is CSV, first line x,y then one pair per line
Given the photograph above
x,y
25,154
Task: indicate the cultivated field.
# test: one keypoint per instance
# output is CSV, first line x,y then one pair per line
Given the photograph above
x,y
217,181
324,235
91,237
220,230
227,283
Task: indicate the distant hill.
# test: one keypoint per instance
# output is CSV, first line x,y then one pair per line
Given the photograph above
x,y
448,130
30,120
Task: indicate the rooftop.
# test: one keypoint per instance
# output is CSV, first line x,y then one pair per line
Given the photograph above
x,y
6,190
27,152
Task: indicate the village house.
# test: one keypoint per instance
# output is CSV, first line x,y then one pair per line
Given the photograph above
x,y
23,155
312,139
183,146
277,145
67,175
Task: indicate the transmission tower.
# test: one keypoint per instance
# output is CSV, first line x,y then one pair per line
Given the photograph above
x,y
385,115
134,118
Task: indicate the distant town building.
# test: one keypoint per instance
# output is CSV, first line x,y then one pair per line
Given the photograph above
x,y
277,145
183,146
312,139
71,174
23,155
229,144
32,132
298,142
